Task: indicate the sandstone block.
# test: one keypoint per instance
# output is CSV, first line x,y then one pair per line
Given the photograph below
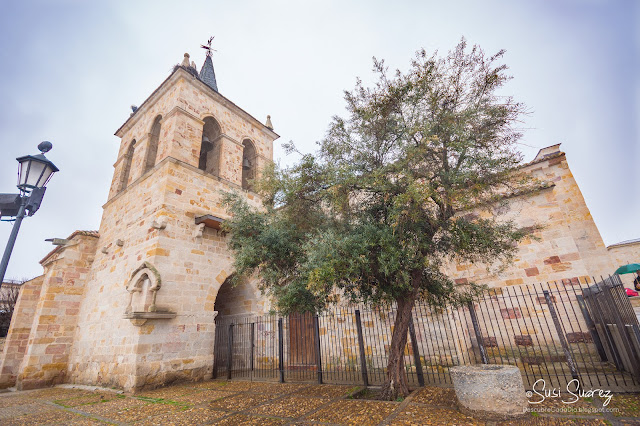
x,y
490,391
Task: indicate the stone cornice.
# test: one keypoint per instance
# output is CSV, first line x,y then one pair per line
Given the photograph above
x,y
559,154
209,175
139,142
179,109
135,183
51,256
234,141
149,102
624,244
181,163
229,138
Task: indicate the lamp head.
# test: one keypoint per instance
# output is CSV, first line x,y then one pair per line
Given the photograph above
x,y
34,171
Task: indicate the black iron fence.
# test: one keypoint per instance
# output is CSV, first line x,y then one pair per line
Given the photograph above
x,y
559,331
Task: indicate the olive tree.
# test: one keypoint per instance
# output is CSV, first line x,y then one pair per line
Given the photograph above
x,y
384,204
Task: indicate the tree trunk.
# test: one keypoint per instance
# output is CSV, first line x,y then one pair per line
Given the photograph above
x,y
396,383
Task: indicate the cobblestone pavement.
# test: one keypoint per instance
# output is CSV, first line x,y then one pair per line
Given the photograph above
x,y
259,403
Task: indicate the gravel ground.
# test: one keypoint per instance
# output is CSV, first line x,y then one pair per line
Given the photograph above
x,y
247,403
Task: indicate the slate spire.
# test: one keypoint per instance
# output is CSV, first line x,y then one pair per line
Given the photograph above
x,y
207,74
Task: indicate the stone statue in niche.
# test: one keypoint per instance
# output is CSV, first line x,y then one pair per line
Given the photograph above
x,y
143,290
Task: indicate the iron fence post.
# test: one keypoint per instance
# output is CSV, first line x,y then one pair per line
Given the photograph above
x,y
216,351
476,329
253,336
363,361
316,332
563,341
280,350
416,353
230,353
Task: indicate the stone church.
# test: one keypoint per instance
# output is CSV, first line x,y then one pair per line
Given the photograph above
x,y
134,304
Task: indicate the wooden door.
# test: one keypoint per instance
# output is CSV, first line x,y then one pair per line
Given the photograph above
x,y
302,349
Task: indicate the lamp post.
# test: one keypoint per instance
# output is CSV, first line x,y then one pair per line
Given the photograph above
x,y
34,172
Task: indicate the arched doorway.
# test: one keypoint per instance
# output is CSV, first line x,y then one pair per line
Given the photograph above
x,y
237,300
237,304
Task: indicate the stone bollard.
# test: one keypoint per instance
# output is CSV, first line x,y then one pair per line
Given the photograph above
x,y
490,391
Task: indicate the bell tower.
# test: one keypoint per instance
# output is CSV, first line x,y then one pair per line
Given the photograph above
x,y
147,315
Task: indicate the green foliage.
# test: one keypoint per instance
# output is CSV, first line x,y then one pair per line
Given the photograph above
x,y
394,191
267,242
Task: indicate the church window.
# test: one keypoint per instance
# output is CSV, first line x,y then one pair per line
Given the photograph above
x,y
210,147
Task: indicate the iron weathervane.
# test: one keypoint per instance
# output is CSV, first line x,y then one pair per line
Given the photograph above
x,y
208,47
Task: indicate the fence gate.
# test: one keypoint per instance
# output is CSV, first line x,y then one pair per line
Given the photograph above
x,y
301,340
614,324
246,347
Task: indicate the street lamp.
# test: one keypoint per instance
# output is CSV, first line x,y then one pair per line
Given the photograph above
x,y
34,172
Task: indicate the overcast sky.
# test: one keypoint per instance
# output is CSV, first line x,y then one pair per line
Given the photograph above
x,y
69,70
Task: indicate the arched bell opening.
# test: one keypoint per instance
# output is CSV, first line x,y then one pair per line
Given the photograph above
x,y
154,140
248,164
210,147
126,166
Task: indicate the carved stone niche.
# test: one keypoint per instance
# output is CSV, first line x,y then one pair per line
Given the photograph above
x,y
143,289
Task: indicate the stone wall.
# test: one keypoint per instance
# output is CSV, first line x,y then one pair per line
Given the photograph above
x,y
569,245
17,339
66,271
